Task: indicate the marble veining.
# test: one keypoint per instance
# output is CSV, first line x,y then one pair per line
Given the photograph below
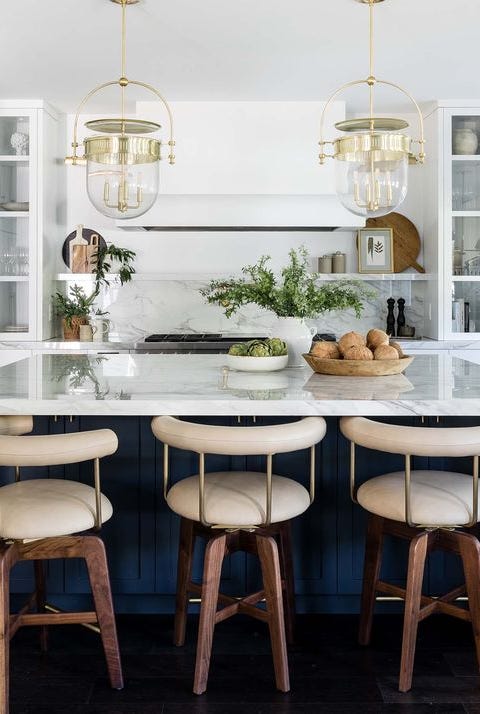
x,y
126,384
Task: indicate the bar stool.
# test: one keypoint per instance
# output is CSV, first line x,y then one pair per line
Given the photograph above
x,y
238,511
41,519
432,510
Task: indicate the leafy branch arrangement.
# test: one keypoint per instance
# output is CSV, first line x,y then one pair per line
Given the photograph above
x,y
102,261
76,304
295,294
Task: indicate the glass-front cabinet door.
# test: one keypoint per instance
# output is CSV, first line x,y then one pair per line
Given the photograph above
x,y
462,223
18,220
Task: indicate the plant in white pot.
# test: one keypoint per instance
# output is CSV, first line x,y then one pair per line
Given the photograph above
x,y
293,298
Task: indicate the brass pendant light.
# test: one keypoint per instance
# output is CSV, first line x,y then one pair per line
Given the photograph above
x,y
122,165
372,156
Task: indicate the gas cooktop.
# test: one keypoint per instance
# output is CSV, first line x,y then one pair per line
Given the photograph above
x,y
205,342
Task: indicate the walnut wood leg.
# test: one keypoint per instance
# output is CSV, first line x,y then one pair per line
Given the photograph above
x,y
470,553
212,570
286,567
40,600
96,559
416,565
7,560
184,575
269,560
371,573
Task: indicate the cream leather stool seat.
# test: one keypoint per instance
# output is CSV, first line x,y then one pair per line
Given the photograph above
x,y
45,508
431,510
41,519
238,497
440,497
238,511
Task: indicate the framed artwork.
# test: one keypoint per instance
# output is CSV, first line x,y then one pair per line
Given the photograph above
x,y
375,250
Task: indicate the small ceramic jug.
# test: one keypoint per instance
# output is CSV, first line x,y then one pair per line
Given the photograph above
x,y
465,141
86,333
100,327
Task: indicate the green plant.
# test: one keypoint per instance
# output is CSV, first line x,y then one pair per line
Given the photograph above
x,y
296,294
102,261
75,304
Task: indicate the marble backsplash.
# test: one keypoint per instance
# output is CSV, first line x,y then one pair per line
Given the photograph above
x,y
147,306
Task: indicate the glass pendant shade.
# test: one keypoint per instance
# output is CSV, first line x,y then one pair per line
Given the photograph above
x,y
371,173
122,174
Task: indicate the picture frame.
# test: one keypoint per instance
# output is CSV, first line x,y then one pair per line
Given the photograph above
x,y
375,250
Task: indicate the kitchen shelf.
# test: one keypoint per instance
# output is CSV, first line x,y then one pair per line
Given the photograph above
x,y
14,278
7,159
465,214
466,157
202,277
14,214
466,278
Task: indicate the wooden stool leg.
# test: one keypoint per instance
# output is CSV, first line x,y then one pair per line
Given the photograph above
x,y
470,553
371,573
212,570
6,563
286,567
184,576
416,566
96,559
41,599
269,560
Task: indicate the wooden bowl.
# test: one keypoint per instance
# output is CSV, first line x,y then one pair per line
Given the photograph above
x,y
358,368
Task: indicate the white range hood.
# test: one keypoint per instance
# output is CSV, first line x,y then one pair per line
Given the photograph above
x,y
256,212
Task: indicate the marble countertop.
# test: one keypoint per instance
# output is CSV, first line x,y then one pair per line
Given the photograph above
x,y
136,384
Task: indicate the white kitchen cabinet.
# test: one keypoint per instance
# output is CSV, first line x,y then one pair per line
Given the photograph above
x,y
452,222
28,217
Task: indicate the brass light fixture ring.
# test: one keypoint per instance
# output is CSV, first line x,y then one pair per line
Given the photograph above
x,y
122,149
134,2
345,147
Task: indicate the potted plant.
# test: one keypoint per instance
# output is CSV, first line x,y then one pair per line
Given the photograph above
x,y
74,309
293,297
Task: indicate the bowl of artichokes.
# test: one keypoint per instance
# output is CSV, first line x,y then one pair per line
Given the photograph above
x,y
258,355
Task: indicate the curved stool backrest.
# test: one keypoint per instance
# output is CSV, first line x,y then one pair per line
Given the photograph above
x,y
413,441
16,425
238,440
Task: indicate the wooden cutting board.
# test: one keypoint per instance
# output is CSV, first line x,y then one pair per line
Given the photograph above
x,y
406,240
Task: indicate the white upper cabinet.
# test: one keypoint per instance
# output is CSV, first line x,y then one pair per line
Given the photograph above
x,y
246,147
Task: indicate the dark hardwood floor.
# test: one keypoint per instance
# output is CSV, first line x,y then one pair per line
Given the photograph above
x,y
330,673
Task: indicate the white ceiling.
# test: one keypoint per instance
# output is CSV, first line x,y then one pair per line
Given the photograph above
x,y
238,50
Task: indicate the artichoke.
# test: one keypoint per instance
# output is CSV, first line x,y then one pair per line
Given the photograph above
x,y
259,350
239,349
277,347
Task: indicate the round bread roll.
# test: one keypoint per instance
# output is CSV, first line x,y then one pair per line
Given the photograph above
x,y
386,352
351,339
401,353
325,350
358,352
375,338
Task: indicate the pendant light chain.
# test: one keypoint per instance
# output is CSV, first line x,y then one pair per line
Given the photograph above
x,y
123,78
371,78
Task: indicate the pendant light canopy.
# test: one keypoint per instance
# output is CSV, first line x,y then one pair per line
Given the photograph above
x,y
373,153
122,164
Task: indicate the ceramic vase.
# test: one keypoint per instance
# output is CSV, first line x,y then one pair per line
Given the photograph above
x,y
298,336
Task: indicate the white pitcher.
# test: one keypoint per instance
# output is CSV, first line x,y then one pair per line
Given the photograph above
x,y
298,336
100,328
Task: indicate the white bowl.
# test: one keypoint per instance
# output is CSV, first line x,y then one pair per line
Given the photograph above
x,y
256,364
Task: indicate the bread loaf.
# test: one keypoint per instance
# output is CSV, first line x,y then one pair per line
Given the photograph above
x,y
358,352
351,339
325,350
375,338
386,352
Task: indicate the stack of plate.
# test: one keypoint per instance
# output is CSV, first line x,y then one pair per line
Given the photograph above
x,y
15,328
